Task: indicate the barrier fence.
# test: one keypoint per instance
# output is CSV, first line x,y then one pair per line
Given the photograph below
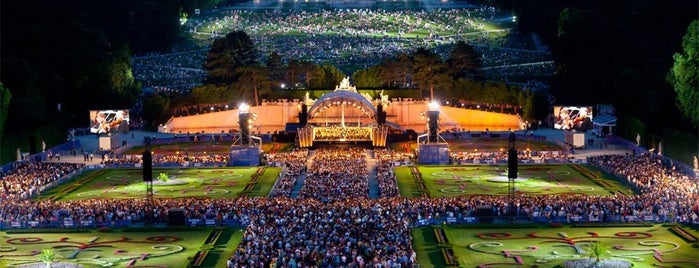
x,y
242,223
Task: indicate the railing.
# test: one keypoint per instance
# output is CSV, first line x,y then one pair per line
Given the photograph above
x,y
469,219
70,223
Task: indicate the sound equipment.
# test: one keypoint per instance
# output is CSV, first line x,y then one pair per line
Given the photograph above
x,y
433,126
303,115
512,163
147,166
485,214
380,115
175,217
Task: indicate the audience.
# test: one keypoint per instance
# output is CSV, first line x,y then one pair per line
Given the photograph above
x,y
333,223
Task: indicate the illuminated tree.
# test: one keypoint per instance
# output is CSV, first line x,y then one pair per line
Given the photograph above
x,y
684,75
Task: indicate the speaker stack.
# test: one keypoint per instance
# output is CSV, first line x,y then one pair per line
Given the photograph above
x,y
147,166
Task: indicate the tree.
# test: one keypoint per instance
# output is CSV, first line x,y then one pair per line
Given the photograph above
x,y
429,71
276,68
253,79
156,109
394,72
5,97
684,75
464,60
367,78
309,70
329,76
211,93
227,54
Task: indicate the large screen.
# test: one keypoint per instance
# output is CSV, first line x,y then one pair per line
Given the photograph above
x,y
106,121
571,117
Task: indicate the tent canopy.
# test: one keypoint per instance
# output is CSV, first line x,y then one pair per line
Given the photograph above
x,y
604,120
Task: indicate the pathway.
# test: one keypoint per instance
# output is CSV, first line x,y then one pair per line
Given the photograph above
x,y
302,177
373,182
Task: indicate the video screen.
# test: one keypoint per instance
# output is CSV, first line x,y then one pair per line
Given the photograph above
x,y
109,121
571,117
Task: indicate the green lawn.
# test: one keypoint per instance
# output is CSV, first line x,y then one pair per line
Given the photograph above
x,y
446,181
190,182
120,248
473,246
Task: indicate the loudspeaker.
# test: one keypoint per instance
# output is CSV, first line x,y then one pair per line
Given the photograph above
x,y
512,163
485,214
147,166
380,115
433,125
303,115
175,217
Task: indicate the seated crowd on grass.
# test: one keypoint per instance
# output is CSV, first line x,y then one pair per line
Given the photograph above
x,y
170,160
29,178
525,156
336,228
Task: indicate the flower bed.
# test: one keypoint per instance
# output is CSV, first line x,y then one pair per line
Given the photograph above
x,y
686,236
441,236
198,258
449,257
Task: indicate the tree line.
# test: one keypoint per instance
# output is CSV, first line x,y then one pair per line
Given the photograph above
x,y
234,74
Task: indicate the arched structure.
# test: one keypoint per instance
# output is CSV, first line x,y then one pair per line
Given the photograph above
x,y
338,98
342,115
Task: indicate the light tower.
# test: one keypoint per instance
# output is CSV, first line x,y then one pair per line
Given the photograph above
x,y
245,150
244,123
433,122
432,148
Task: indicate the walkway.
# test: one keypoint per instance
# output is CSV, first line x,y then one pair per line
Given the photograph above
x,y
373,182
302,177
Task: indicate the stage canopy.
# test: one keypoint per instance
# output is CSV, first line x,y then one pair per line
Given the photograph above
x,y
337,97
605,121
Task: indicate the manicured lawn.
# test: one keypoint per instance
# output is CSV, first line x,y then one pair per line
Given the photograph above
x,y
190,182
445,181
479,246
120,248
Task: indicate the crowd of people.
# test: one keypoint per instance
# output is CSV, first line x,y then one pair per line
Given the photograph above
x,y
169,160
499,157
337,174
350,39
294,164
28,178
387,159
173,72
333,223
